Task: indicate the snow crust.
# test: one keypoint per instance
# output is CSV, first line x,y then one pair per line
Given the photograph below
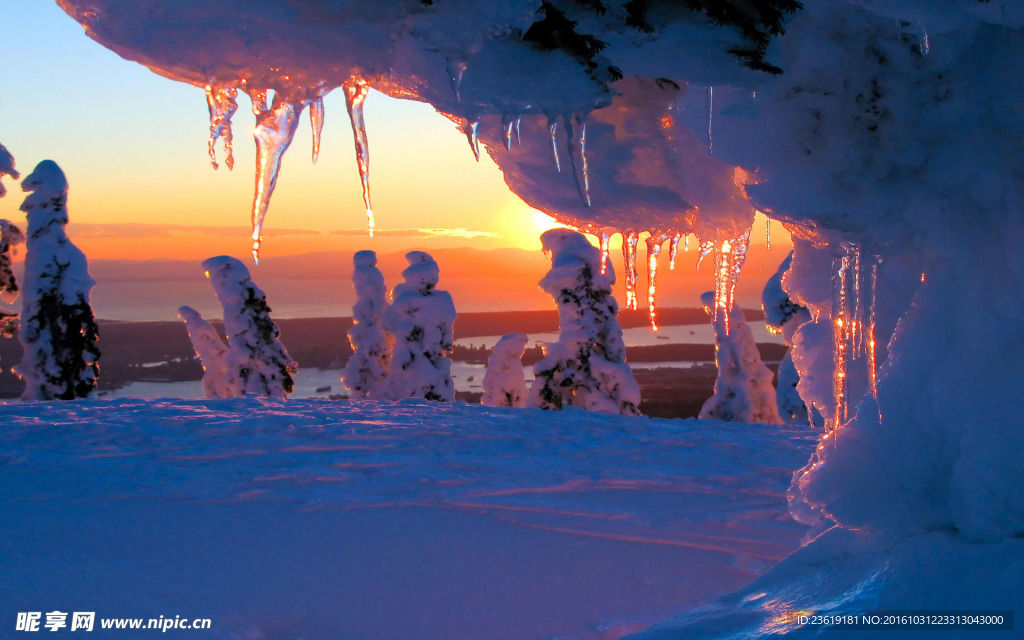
x,y
323,520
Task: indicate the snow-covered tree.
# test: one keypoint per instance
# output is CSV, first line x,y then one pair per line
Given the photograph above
x,y
420,321
212,354
782,315
743,389
6,168
505,380
58,329
587,366
366,371
257,362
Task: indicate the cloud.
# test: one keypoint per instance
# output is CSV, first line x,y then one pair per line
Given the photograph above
x,y
460,232
142,230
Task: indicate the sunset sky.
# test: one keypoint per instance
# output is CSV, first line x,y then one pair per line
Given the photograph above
x,y
133,145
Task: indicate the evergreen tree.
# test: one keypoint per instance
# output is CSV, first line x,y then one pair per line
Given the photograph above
x,y
58,329
587,366
212,354
743,389
505,380
366,371
257,362
419,321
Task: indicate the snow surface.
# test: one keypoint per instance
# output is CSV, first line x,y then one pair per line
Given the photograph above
x,y
328,520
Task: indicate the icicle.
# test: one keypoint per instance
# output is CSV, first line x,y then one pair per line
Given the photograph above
x,y
222,102
870,337
316,123
275,129
519,122
704,251
729,258
356,90
456,69
686,244
653,251
711,93
472,129
576,136
630,239
606,238
856,319
507,122
258,97
842,330
553,132
768,233
673,250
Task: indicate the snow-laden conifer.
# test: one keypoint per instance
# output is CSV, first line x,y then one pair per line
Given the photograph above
x,y
257,362
782,315
587,366
6,168
366,371
505,380
212,354
58,329
420,321
743,389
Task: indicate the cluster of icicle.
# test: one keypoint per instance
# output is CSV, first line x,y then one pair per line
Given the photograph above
x,y
729,256
277,120
854,282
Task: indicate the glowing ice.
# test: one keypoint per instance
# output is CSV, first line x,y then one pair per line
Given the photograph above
x,y
472,130
576,137
553,132
630,239
729,258
316,123
275,129
222,102
673,250
654,243
355,95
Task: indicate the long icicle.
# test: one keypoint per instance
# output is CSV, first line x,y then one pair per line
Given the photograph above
x,y
456,69
553,133
275,129
507,125
316,123
222,103
673,251
472,130
840,333
730,255
711,95
870,337
654,243
630,239
356,90
606,238
576,138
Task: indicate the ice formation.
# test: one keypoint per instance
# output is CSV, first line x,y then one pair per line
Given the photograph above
x,y
58,329
6,168
891,131
212,352
419,322
257,363
587,366
743,389
505,380
365,374
783,316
